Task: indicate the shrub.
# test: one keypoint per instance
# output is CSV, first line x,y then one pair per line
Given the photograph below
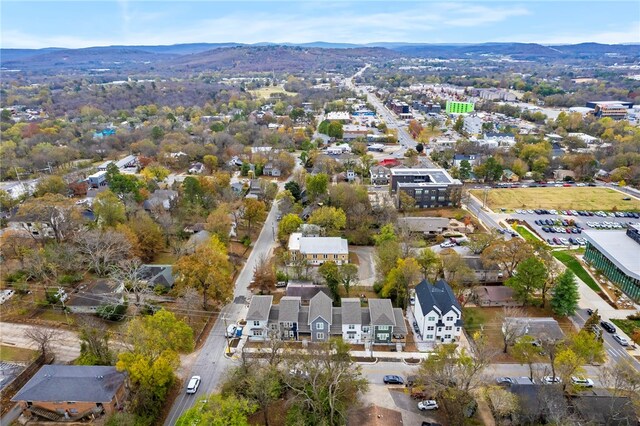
x,y
112,312
68,279
282,276
635,316
246,241
160,289
15,277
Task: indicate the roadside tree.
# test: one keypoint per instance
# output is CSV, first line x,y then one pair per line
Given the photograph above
x,y
530,277
565,295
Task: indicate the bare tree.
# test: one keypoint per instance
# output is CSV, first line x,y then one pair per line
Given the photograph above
x,y
94,342
185,303
102,249
130,273
512,325
42,337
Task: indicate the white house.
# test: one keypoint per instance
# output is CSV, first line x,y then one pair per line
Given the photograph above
x,y
352,321
437,312
317,250
258,316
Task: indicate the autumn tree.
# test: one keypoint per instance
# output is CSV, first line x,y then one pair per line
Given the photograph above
x,y
348,274
219,222
568,364
429,262
479,241
253,211
316,185
525,352
289,224
42,337
406,202
156,172
329,218
264,275
52,184
458,274
400,279
108,209
53,211
14,244
565,295
507,254
530,277
588,346
208,270
150,237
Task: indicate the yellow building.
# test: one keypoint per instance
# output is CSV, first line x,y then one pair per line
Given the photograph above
x,y
317,250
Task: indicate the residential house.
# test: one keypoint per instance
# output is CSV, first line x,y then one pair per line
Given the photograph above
x,y
424,225
235,161
196,168
536,401
305,290
270,169
351,320
437,312
29,223
443,144
320,317
161,198
258,317
459,158
350,176
237,188
87,298
158,276
255,189
588,139
495,295
288,312
386,323
472,124
499,139
483,273
379,175
541,329
97,179
560,174
65,393
509,176
317,250
128,162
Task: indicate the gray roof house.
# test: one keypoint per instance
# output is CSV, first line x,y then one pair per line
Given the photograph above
x,y
545,328
387,322
258,316
158,275
288,315
320,317
72,392
88,298
160,198
424,225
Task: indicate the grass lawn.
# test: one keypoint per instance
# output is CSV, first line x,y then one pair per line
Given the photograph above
x,y
526,234
55,315
572,263
266,92
13,354
165,258
628,326
575,198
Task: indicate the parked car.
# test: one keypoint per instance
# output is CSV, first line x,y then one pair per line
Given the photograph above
x,y
430,424
415,327
608,326
193,385
589,311
582,381
505,380
620,339
393,380
428,404
447,244
231,330
281,284
549,380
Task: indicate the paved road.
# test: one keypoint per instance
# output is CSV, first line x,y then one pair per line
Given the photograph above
x,y
210,363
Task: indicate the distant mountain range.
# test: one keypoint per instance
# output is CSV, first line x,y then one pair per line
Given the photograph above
x,y
287,56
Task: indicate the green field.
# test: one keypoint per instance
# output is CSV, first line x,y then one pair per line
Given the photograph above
x,y
266,92
526,234
575,266
13,354
572,198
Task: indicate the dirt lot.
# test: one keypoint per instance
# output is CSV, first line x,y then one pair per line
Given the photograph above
x,y
574,198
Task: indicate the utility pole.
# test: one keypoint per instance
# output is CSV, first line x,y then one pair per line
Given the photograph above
x,y
485,193
226,335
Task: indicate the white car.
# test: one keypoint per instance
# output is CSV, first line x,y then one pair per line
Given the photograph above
x,y
620,339
192,387
551,380
582,381
447,244
231,330
428,404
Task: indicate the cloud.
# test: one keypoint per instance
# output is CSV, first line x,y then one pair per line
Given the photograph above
x,y
629,35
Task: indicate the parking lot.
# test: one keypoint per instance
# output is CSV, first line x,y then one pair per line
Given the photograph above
x,y
567,226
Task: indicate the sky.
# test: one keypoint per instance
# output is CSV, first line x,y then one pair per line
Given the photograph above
x,y
77,23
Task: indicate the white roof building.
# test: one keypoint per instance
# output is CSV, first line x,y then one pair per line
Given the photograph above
x,y
338,116
317,250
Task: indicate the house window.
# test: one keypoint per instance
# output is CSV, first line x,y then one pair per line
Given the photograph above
x,y
326,256
320,326
352,327
291,334
431,318
448,328
257,332
319,336
429,336
430,328
458,329
383,327
365,329
256,323
383,336
447,336
439,328
449,318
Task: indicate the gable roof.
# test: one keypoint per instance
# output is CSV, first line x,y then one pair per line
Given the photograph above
x,y
158,275
381,312
351,311
289,309
438,296
84,383
259,308
305,291
320,306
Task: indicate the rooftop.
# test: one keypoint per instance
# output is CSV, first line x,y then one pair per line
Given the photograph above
x,y
82,383
322,245
259,308
619,249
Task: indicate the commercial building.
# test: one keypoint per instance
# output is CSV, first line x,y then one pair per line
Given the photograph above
x,y
617,255
428,187
317,250
454,107
617,110
128,162
427,107
472,125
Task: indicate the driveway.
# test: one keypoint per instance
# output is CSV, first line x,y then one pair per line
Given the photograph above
x,y
366,269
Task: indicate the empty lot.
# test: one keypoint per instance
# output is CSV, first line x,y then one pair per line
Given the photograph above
x,y
572,198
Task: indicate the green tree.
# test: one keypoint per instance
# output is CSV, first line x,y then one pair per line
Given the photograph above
x,y
208,270
565,296
323,127
459,124
51,185
568,364
406,202
331,274
253,211
465,170
429,262
316,185
387,254
400,279
348,273
330,218
218,410
157,133
108,209
210,162
588,346
122,185
294,189
529,277
335,130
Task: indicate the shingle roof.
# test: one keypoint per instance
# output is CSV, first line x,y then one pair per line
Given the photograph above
x,y
259,308
289,309
381,312
351,311
400,327
336,321
438,295
81,383
306,291
320,306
